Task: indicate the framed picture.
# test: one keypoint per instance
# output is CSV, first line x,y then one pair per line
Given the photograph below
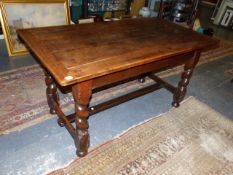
x,y
18,14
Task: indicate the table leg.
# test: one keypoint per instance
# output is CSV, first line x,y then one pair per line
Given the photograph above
x,y
185,78
51,92
82,94
142,79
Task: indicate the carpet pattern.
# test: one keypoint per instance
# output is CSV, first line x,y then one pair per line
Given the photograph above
x,y
190,140
23,101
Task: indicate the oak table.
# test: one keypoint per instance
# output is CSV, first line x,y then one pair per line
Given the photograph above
x,y
89,56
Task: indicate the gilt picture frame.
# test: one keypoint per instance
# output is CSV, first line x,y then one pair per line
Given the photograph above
x,y
18,14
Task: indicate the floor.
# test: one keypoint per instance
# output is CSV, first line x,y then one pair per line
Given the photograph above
x,y
46,146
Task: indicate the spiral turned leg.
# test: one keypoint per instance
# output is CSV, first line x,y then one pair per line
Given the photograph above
x,y
51,92
185,78
182,87
82,94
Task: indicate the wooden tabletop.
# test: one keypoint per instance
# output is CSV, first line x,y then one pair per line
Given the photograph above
x,y
76,53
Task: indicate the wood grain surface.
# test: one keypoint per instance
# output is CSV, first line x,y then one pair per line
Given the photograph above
x,y
76,53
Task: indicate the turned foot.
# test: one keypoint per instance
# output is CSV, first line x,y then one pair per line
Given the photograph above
x,y
83,142
142,79
175,104
60,122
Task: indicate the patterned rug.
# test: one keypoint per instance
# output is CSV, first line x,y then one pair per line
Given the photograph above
x,y
23,101
190,140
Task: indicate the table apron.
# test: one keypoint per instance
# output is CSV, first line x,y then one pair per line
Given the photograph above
x,y
142,69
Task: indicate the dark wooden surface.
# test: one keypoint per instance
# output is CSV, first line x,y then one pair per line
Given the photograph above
x,y
95,55
83,52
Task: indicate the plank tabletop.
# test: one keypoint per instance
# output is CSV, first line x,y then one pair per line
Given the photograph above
x,y
76,53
